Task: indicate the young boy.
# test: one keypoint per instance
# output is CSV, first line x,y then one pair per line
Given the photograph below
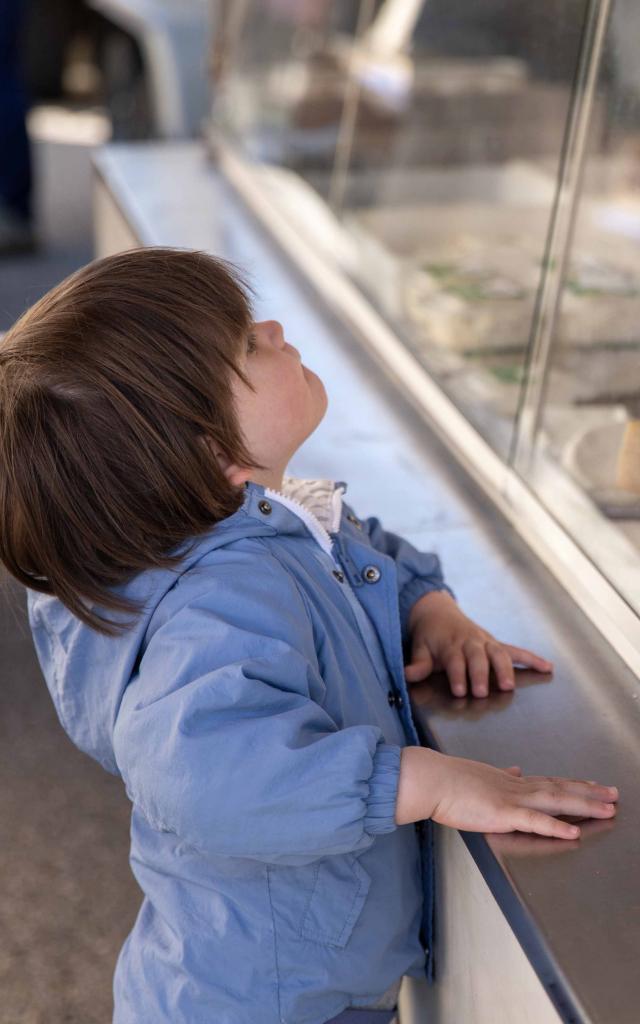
x,y
255,703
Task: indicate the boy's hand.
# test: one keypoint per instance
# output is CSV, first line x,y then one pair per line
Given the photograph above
x,y
477,797
444,639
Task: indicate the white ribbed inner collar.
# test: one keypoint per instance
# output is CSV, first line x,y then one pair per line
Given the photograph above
x,y
317,502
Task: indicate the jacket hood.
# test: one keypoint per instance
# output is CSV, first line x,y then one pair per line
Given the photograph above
x,y
87,672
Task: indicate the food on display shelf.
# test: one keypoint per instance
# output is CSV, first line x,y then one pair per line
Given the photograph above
x,y
466,295
475,294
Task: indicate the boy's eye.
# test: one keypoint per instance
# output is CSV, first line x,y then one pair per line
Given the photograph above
x,y
252,343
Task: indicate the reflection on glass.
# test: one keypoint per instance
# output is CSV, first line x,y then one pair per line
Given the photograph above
x,y
590,422
279,83
451,181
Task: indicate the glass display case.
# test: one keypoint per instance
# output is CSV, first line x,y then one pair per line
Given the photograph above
x,y
474,172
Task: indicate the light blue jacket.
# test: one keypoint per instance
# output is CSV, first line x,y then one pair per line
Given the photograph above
x,y
256,715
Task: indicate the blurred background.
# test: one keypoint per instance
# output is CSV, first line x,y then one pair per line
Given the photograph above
x,y
73,75
472,170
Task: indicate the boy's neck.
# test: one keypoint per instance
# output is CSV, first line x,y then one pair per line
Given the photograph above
x,y
269,479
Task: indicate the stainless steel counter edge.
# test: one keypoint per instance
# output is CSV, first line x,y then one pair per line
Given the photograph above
x,y
522,923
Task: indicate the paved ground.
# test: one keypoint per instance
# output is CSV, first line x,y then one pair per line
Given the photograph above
x,y
67,897
23,279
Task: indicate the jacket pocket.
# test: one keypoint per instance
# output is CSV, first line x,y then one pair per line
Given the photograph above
x,y
336,900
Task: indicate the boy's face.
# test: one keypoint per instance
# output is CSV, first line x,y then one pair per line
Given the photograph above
x,y
288,404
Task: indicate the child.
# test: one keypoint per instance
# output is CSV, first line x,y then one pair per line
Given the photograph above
x,y
249,685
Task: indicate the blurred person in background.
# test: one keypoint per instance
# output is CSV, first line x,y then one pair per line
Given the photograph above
x,y
16,228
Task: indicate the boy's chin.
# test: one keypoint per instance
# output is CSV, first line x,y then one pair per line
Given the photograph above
x,y
316,384
325,402
318,413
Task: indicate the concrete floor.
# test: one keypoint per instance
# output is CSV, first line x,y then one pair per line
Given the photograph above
x,y
67,896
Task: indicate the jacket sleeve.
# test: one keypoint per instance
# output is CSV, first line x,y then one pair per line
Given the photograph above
x,y
221,737
419,572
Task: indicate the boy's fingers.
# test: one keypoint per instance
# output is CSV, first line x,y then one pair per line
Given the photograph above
x,y
502,666
478,663
544,825
568,803
583,787
457,672
418,669
528,658
513,770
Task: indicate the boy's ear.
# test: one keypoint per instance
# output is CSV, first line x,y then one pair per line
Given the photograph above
x,y
234,473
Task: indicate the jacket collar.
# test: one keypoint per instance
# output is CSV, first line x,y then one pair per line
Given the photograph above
x,y
293,514
318,502
313,505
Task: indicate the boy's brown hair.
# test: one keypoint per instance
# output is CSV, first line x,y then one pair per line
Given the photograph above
x,y
107,385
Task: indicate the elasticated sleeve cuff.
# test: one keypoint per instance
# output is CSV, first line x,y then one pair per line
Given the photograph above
x,y
383,790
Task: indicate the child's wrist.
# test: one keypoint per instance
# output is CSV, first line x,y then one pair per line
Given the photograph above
x,y
418,786
435,603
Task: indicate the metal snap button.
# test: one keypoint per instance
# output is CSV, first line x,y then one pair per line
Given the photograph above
x,y
338,575
352,519
399,701
371,573
391,697
265,506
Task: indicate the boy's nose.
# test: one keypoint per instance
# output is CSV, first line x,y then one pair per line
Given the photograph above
x,y
276,333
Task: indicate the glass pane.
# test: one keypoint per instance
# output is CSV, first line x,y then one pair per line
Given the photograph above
x,y
450,181
587,467
279,82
